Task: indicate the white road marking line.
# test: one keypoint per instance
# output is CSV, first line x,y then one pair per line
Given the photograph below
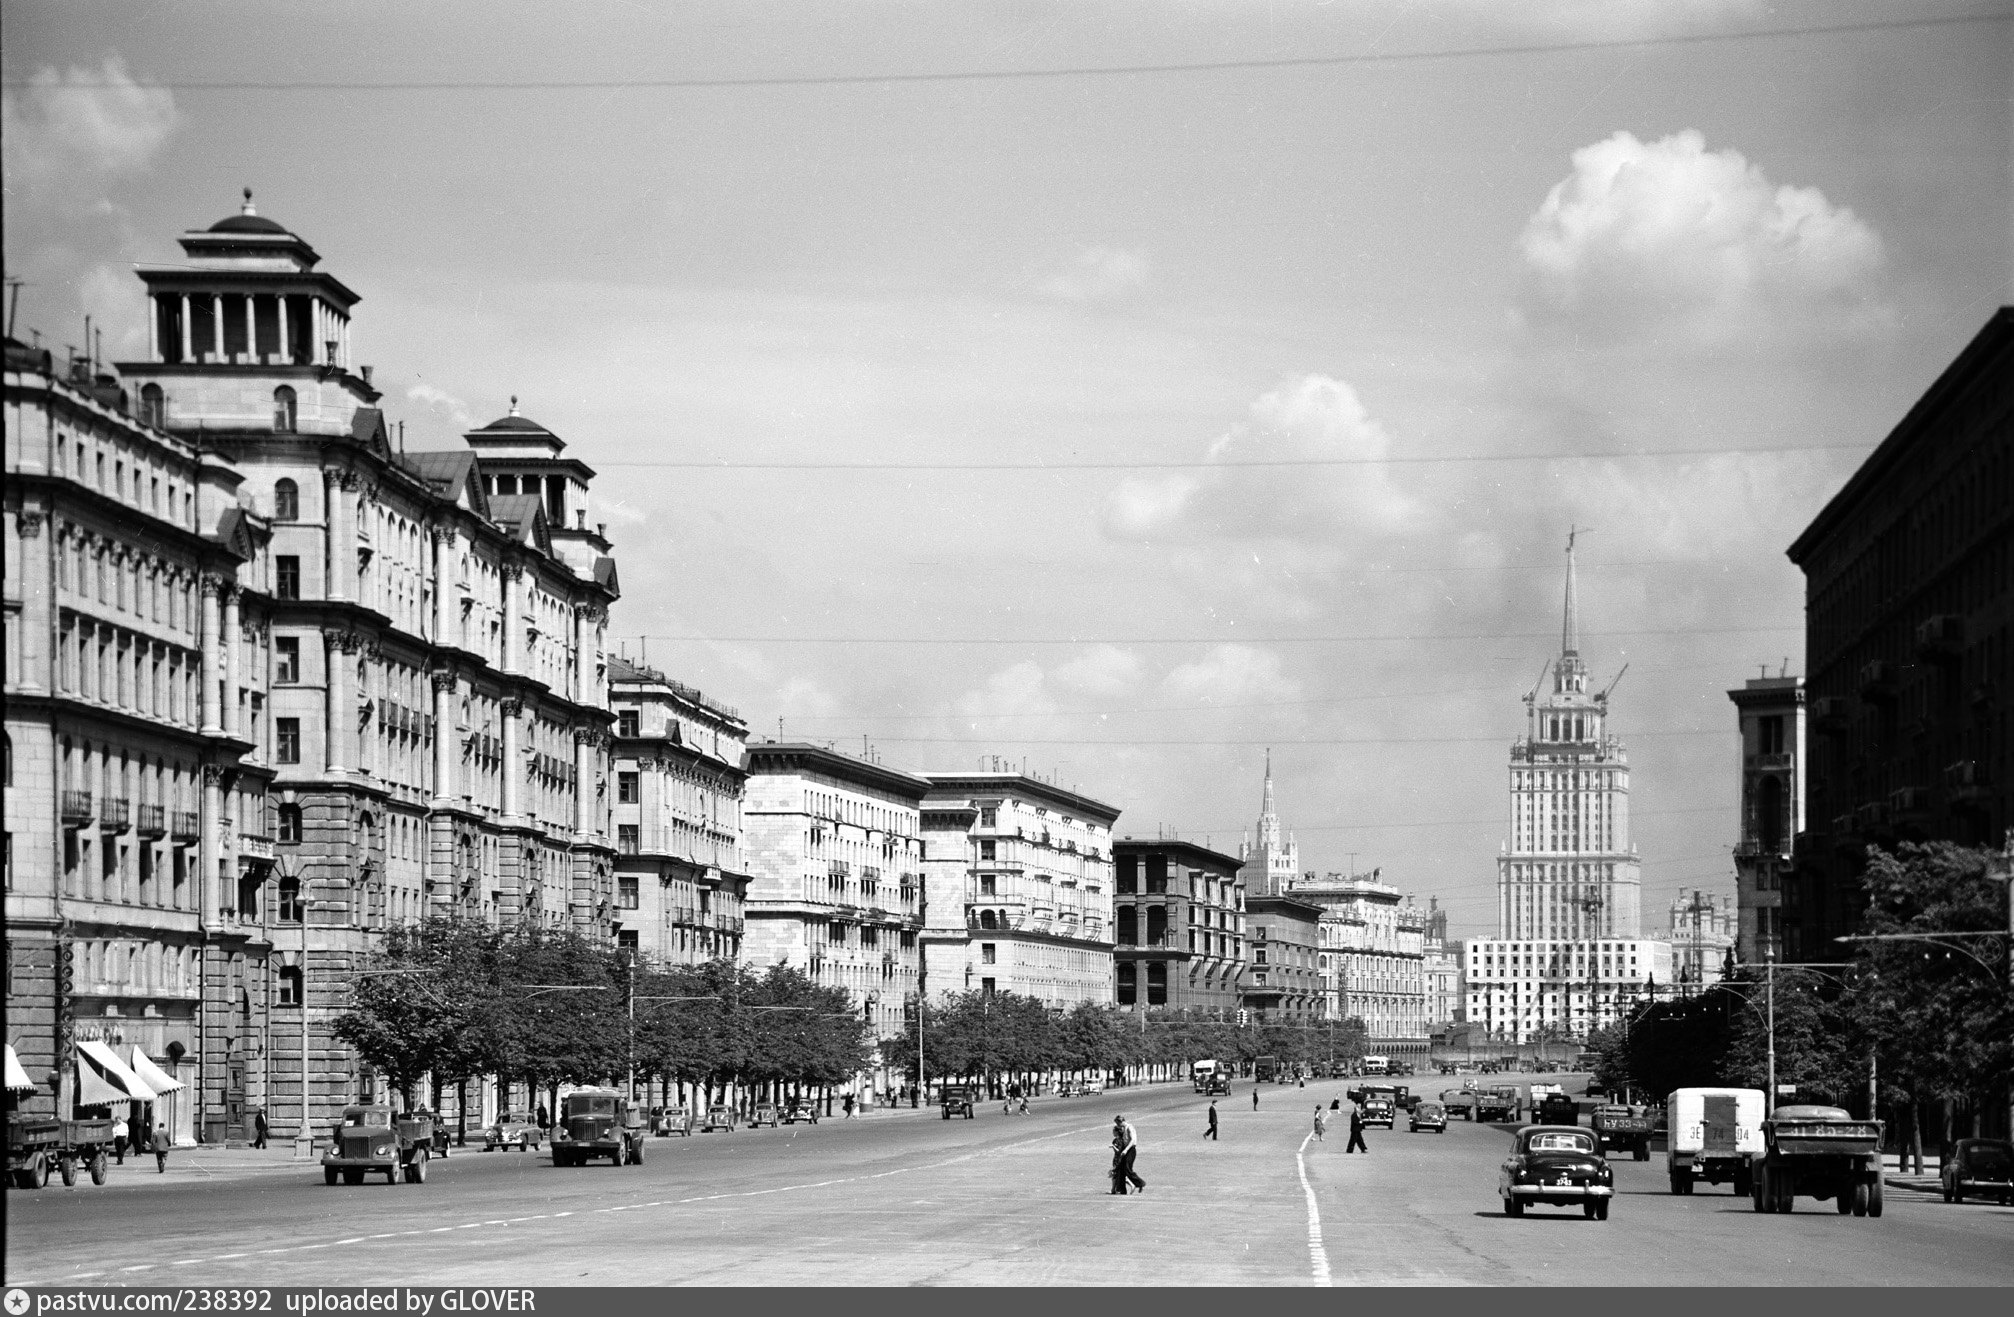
x,y
1318,1257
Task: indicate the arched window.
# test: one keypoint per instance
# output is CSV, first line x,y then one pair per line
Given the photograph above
x,y
289,824
986,919
153,406
286,501
284,409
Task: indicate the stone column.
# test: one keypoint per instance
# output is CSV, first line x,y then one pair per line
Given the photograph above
x,y
585,747
513,610
445,736
217,325
232,639
213,586
38,617
280,313
342,713
188,331
209,850
252,328
513,761
370,733
342,539
154,329
444,553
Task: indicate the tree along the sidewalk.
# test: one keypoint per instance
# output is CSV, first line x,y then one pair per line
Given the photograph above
x,y
427,1005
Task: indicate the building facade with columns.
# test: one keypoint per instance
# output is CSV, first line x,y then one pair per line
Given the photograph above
x,y
680,873
431,700
1018,888
138,841
1372,958
1181,927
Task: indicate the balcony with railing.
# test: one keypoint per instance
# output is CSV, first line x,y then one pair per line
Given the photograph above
x,y
115,813
255,846
186,825
77,807
154,821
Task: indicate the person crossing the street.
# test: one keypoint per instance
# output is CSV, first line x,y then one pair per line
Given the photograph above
x,y
1125,1151
1357,1143
1320,1123
1211,1132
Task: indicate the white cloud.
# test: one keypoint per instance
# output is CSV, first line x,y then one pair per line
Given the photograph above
x,y
84,123
1670,239
805,698
1097,274
440,400
1230,674
118,306
1105,670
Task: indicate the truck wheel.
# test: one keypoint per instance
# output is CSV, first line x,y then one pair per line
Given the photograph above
x,y
1786,1189
329,1176
38,1172
1643,1152
637,1156
1759,1190
98,1168
1874,1196
394,1174
1846,1204
67,1168
1677,1185
417,1172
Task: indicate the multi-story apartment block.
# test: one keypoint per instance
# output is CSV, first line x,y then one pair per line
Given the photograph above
x,y
1283,983
680,876
400,669
1181,925
1443,970
1372,954
1909,633
137,843
1522,990
1019,888
1772,716
1704,930
835,864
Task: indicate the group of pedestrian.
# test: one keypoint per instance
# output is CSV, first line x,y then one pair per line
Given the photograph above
x,y
157,1140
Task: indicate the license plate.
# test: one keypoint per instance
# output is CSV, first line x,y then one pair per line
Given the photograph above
x,y
1564,1179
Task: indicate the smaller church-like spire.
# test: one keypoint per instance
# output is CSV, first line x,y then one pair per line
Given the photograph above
x,y
1569,632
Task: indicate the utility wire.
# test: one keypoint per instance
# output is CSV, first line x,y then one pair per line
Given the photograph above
x,y
1081,71
1122,743
1206,464
1207,640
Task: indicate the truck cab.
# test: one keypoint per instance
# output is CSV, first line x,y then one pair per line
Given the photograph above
x,y
369,1139
597,1122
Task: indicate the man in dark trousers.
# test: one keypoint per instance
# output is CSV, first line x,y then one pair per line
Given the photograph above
x,y
1357,1143
1255,1096
1125,1149
259,1128
1211,1133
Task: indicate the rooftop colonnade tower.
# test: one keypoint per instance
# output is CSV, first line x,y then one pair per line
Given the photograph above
x,y
430,653
1569,871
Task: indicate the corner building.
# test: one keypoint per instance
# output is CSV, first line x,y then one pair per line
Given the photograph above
x,y
431,693
1182,930
1019,889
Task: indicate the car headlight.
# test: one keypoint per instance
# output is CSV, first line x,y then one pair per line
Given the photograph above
x,y
384,1150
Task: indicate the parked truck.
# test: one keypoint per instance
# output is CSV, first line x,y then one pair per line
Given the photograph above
x,y
1265,1069
37,1145
1820,1152
1715,1135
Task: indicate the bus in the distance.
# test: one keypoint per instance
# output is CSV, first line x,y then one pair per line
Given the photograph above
x,y
1377,1065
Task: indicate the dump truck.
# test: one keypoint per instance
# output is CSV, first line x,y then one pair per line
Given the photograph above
x,y
1619,1127
1820,1152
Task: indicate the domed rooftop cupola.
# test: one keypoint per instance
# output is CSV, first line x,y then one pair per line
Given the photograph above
x,y
519,456
247,220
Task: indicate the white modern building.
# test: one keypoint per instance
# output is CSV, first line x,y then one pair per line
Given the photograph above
x,y
1523,989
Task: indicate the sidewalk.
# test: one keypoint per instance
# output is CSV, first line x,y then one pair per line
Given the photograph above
x,y
1893,1176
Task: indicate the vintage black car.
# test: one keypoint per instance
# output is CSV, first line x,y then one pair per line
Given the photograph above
x,y
1377,1109
1427,1116
803,1109
957,1098
1559,1165
512,1129
597,1122
1983,1168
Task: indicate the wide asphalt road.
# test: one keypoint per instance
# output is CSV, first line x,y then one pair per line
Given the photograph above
x,y
906,1198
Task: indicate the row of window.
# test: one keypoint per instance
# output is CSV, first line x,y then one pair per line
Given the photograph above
x,y
153,485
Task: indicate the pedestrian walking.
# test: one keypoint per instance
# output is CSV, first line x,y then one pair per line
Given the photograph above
x,y
1301,1082
121,1135
1125,1152
259,1129
1335,1104
846,1105
1320,1123
161,1140
1357,1143
544,1119
1211,1133
1255,1095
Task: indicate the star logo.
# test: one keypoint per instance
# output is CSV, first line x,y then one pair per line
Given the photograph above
x,y
17,1302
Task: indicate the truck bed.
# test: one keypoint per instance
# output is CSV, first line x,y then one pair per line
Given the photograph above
x,y
1825,1138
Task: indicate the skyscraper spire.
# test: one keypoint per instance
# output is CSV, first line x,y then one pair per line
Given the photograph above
x,y
1569,635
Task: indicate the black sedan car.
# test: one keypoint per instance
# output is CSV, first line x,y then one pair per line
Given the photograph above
x,y
1979,1168
1559,1165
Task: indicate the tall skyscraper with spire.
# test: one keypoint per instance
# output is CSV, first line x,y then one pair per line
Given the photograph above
x,y
1278,858
1569,870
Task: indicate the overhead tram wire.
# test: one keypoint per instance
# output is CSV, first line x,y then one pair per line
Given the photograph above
x,y
1463,636
1204,464
1081,71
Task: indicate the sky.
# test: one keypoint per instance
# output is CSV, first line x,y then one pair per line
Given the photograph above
x,y
992,380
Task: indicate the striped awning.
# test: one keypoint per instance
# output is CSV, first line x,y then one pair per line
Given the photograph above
x,y
152,1075
103,1079
17,1078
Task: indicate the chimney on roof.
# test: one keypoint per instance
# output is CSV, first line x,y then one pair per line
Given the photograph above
x,y
366,371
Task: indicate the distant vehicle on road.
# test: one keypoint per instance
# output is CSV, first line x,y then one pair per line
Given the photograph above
x,y
1820,1152
957,1100
1266,1069
1427,1116
666,1121
1498,1103
1377,1065
1378,1109
800,1109
1556,1166
1983,1168
369,1139
1203,1073
597,1122
719,1116
765,1113
37,1145
1459,1102
1620,1127
1715,1135
1555,1109
512,1129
